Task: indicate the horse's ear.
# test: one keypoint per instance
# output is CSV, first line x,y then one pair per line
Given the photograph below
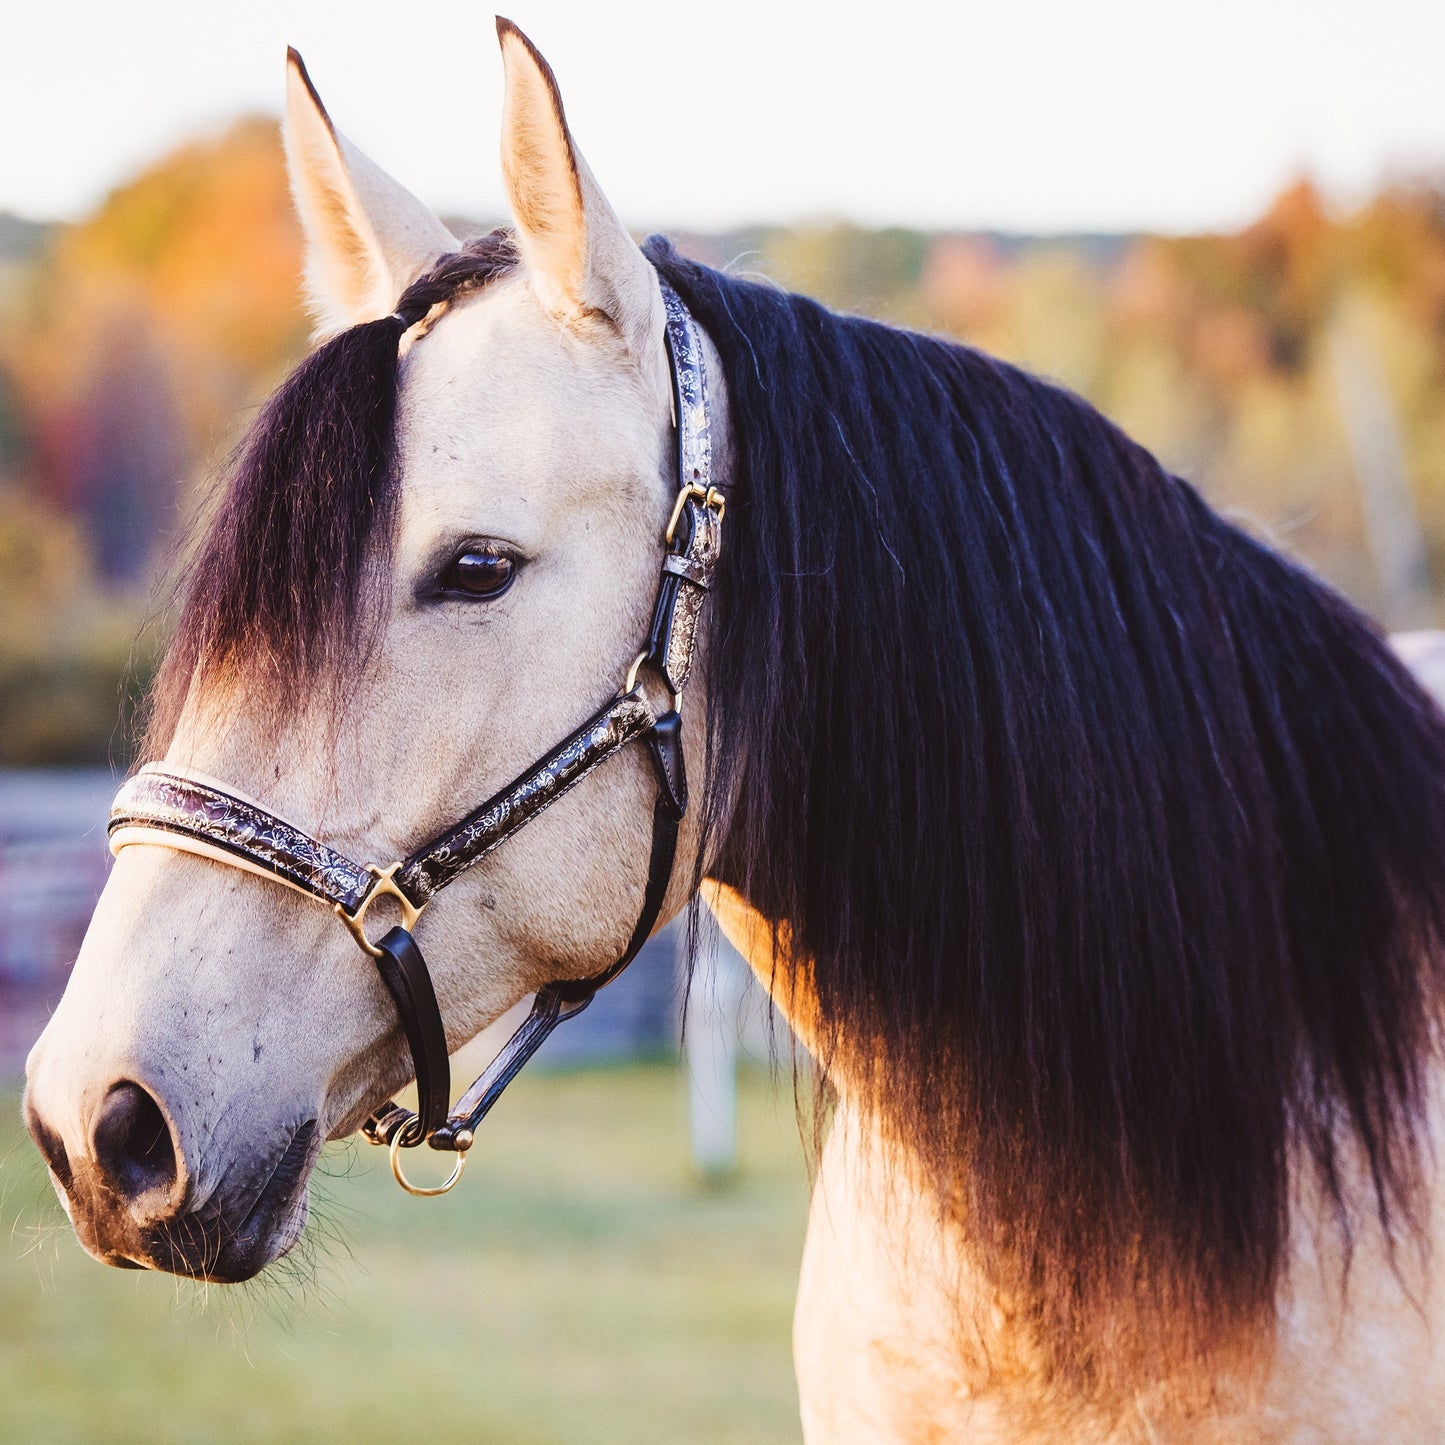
x,y
367,237
579,257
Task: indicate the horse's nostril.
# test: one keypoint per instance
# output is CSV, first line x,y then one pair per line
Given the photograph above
x,y
133,1143
49,1143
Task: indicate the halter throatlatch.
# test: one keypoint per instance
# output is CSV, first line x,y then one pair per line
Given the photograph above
x,y
196,814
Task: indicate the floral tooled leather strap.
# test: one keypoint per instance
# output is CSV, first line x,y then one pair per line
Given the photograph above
x,y
195,816
200,817
435,864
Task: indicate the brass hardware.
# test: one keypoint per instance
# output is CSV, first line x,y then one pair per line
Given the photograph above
x,y
708,496
631,681
384,887
419,1190
691,490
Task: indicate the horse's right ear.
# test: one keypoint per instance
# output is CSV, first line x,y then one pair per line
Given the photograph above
x,y
579,258
367,237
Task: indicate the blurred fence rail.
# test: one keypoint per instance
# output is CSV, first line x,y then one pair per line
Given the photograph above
x,y
53,864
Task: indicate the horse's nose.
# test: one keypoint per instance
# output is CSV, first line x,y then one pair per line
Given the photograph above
x,y
132,1154
132,1145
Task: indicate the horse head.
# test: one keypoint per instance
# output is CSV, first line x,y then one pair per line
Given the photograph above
x,y
376,635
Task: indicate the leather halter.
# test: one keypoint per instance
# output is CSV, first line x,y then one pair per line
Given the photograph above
x,y
195,814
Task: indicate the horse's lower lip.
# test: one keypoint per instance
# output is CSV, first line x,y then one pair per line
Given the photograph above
x,y
210,1247
290,1168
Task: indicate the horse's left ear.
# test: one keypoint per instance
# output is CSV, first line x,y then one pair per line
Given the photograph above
x,y
579,257
367,237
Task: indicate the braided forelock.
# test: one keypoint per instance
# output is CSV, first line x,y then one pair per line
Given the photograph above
x,y
456,274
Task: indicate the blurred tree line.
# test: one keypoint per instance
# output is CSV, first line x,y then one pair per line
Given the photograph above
x,y
135,345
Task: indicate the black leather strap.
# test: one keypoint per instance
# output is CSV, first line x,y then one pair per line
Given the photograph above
x,y
664,746
664,743
553,1005
548,1010
619,722
659,875
404,972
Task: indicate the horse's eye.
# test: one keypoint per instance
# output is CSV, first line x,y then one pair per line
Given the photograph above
x,y
480,574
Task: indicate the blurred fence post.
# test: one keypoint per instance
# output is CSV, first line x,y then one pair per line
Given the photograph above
x,y
710,1040
1392,527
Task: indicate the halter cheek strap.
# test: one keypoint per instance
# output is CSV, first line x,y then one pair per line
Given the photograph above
x,y
197,814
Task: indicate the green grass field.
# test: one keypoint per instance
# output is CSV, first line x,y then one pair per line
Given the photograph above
x,y
578,1286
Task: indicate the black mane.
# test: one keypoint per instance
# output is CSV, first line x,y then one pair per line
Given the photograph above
x,y
1114,842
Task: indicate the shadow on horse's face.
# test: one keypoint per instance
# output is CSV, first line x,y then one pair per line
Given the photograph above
x,y
217,1028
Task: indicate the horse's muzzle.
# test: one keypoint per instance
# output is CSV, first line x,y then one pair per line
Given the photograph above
x,y
127,1198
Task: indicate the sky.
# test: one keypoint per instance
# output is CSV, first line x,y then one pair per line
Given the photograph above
x,y
1034,115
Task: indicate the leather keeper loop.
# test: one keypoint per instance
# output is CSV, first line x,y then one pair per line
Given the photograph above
x,y
664,744
688,568
687,572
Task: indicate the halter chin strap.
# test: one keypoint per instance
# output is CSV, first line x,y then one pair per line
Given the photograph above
x,y
197,814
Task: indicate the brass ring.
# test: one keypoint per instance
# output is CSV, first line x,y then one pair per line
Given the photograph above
x,y
631,681
417,1189
632,672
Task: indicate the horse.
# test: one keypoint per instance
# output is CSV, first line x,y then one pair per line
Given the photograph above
x,y
1094,850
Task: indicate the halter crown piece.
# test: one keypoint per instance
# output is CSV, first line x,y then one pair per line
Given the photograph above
x,y
195,814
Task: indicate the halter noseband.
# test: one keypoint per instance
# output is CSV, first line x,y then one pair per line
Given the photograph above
x,y
198,815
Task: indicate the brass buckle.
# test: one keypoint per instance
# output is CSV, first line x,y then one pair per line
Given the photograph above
x,y
384,887
708,496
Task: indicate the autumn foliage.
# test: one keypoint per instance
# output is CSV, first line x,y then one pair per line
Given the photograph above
x,y
135,345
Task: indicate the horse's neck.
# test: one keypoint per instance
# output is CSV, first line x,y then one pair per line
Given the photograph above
x,y
898,1336
766,954
895,1336
879,1290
